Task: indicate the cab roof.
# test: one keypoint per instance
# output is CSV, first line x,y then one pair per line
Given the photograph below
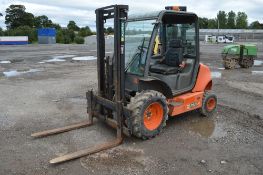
x,y
159,15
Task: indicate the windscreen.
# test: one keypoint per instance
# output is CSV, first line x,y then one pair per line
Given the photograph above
x,y
138,35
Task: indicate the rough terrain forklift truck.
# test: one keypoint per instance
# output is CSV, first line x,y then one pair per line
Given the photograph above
x,y
140,86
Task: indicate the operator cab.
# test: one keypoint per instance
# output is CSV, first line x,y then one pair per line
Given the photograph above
x,y
162,47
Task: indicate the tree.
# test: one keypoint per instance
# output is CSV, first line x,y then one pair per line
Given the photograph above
x,y
65,36
256,25
60,37
17,16
231,20
212,24
1,31
71,35
241,21
56,26
24,31
79,40
67,39
109,30
1,14
221,16
203,23
28,20
72,26
42,21
85,31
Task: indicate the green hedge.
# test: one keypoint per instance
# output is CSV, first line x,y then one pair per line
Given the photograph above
x,y
79,40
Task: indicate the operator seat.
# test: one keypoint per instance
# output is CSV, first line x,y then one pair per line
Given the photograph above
x,y
172,59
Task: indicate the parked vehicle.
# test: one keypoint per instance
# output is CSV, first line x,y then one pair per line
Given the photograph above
x,y
243,55
225,39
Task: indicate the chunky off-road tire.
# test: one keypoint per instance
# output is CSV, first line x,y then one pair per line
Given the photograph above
x,y
229,63
209,104
247,62
149,113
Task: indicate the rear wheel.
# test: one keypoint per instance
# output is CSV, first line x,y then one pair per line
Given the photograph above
x,y
149,113
229,63
247,62
209,104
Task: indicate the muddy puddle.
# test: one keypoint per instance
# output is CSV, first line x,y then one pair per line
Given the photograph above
x,y
205,127
216,74
5,62
16,73
84,58
62,58
258,62
257,72
58,58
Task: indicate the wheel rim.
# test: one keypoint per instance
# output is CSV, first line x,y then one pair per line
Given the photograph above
x,y
153,116
211,104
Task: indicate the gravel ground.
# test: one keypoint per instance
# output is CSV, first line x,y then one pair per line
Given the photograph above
x,y
43,87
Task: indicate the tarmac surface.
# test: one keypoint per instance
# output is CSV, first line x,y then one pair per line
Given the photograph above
x,y
44,86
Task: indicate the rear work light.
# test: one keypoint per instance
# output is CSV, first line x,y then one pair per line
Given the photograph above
x,y
176,8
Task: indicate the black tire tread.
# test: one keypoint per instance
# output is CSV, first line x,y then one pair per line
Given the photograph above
x,y
203,110
229,62
136,106
247,62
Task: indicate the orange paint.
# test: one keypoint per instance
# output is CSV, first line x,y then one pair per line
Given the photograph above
x,y
176,8
153,116
211,104
186,102
204,80
192,100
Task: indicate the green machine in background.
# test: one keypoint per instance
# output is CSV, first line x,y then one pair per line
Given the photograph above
x,y
243,55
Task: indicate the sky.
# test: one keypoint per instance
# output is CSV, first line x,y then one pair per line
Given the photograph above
x,y
82,11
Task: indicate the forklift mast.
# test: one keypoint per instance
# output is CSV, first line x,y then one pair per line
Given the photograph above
x,y
110,86
111,70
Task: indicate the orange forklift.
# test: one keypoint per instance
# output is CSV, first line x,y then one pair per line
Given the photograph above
x,y
155,72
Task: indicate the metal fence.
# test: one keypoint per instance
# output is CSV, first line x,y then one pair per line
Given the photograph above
x,y
239,34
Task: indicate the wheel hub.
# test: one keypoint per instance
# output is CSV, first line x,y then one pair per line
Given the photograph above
x,y
153,116
211,104
149,114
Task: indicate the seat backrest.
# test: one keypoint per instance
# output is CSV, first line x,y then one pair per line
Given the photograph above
x,y
174,53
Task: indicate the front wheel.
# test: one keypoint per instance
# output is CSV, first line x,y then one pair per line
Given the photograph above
x,y
229,63
209,104
149,113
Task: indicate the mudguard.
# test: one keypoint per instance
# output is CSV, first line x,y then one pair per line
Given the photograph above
x,y
204,79
155,84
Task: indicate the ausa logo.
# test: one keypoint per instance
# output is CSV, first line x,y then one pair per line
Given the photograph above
x,y
192,105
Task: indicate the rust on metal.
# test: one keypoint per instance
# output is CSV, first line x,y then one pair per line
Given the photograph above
x,y
62,129
112,123
87,151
